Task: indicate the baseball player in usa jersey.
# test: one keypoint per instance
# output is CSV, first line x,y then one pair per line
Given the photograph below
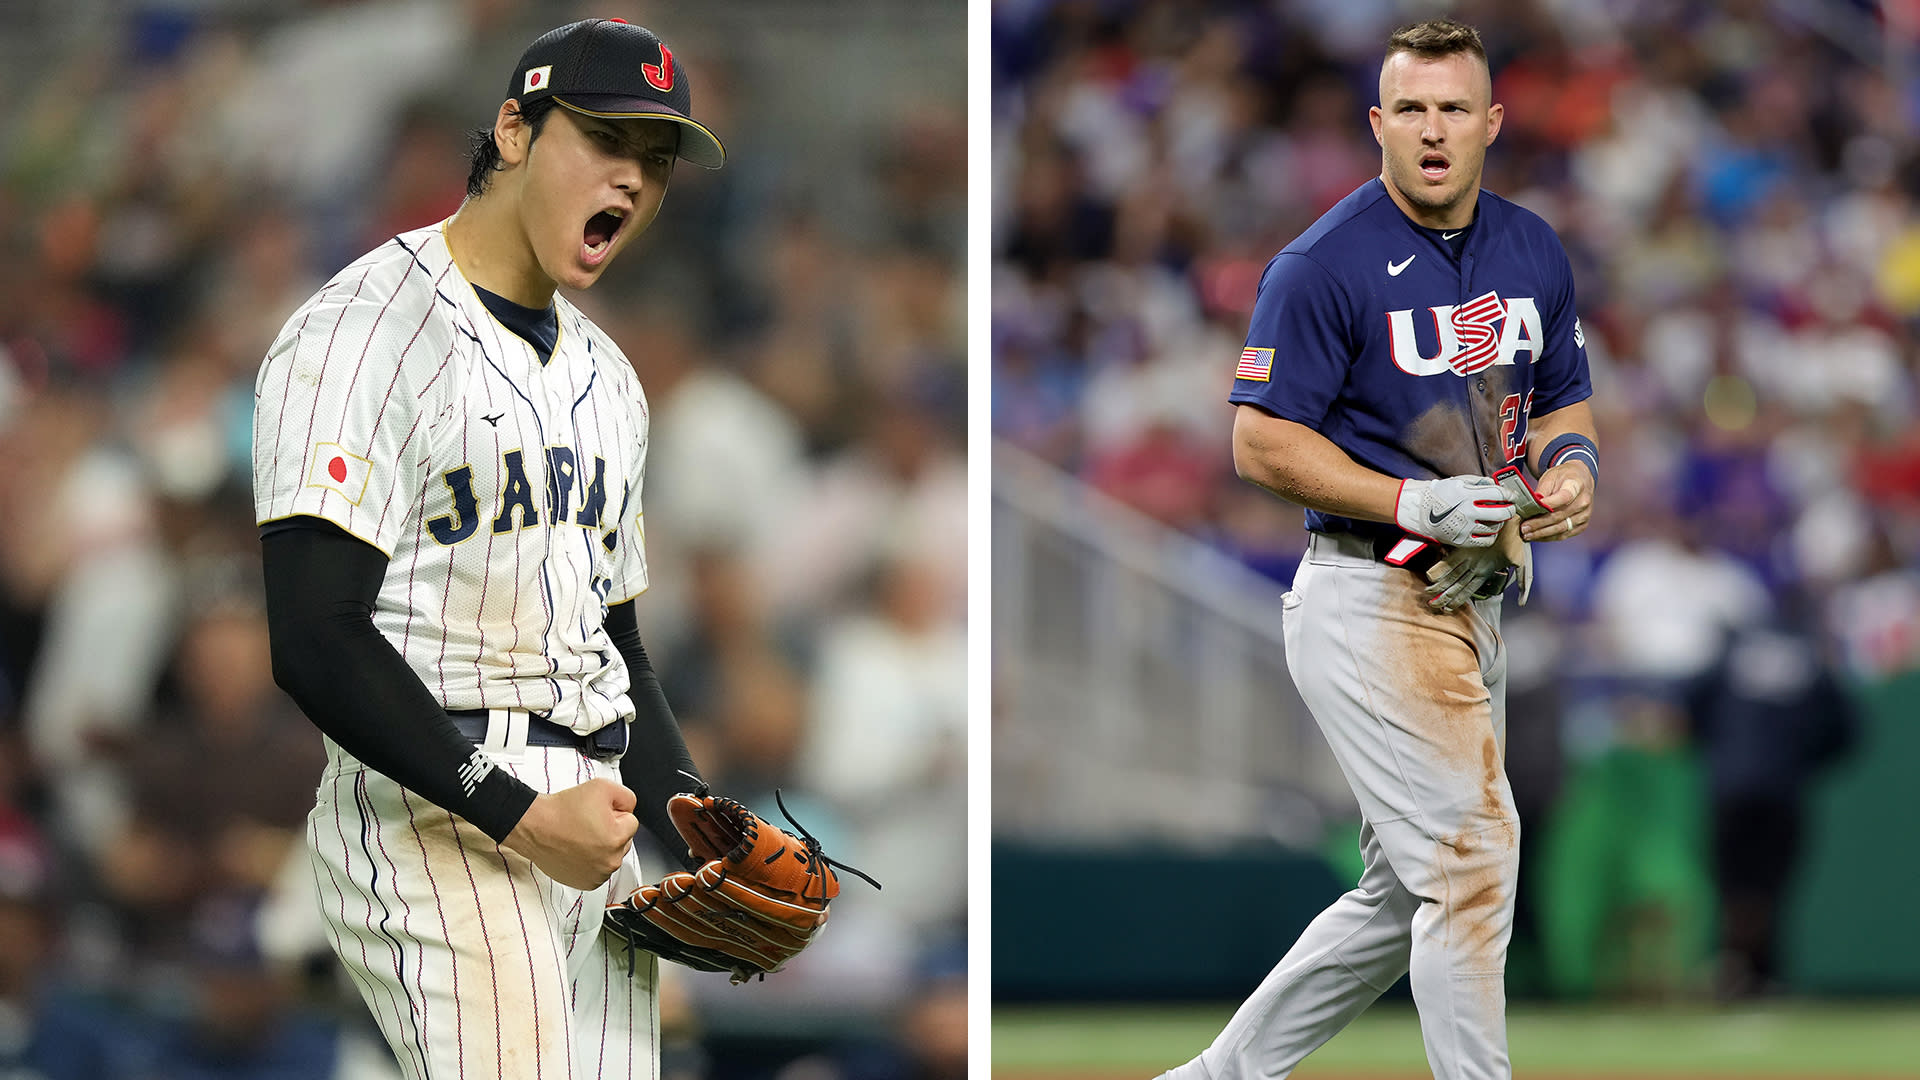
x,y
1417,342
448,463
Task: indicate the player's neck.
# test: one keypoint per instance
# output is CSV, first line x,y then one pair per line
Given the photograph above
x,y
1457,216
487,244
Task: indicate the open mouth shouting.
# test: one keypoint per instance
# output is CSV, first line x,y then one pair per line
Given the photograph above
x,y
1435,166
597,238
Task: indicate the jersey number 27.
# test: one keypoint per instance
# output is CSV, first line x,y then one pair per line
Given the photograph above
x,y
1513,425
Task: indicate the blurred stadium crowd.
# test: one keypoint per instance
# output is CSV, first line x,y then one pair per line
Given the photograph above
x,y
176,176
1735,184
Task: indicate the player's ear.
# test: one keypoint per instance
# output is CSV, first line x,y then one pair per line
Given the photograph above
x,y
1494,113
1373,117
511,133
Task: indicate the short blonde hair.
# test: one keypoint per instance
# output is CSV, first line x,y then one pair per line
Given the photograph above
x,y
1435,38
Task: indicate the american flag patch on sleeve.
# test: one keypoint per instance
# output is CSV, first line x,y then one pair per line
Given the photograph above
x,y
1255,364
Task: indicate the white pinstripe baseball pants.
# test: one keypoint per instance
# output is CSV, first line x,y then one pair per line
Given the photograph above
x,y
475,964
1413,705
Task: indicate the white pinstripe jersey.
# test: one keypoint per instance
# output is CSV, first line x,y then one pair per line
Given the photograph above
x,y
505,492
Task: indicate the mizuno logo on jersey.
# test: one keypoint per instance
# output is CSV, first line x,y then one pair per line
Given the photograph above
x,y
1469,337
475,770
516,506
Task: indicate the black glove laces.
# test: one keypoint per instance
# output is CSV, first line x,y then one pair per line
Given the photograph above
x,y
819,863
815,855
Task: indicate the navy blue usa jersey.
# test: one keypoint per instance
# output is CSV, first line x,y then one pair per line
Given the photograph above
x,y
1418,364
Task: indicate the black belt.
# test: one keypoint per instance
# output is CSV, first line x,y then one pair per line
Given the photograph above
x,y
1388,545
1423,556
608,742
1414,553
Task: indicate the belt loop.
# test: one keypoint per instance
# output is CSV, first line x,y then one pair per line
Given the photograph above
x,y
610,742
506,731
496,740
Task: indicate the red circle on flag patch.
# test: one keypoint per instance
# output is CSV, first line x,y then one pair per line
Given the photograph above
x,y
535,81
337,468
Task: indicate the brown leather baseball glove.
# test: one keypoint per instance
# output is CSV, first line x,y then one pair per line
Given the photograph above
x,y
759,897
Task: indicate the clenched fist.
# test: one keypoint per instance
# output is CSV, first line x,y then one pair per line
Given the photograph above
x,y
577,836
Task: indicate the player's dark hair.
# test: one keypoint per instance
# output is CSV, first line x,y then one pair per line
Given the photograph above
x,y
1435,38
486,153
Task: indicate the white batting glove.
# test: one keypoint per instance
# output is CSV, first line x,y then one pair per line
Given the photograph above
x,y
1459,511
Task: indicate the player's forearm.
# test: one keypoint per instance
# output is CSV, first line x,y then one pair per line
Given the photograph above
x,y
1575,419
656,764
1301,466
347,678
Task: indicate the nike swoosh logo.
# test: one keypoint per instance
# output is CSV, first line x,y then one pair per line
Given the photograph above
x,y
1435,519
1448,235
1393,269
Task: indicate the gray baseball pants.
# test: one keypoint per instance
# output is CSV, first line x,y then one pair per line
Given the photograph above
x,y
1413,705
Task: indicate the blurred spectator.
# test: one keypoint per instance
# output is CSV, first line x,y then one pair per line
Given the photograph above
x,y
85,558
1699,594
1767,716
901,486
727,630
204,818
340,75
889,718
724,461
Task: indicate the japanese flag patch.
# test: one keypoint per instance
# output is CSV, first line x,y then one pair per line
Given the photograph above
x,y
537,78
335,469
1255,365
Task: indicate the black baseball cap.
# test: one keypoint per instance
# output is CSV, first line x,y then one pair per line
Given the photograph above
x,y
612,68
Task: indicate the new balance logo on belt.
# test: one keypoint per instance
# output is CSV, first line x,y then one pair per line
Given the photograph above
x,y
475,770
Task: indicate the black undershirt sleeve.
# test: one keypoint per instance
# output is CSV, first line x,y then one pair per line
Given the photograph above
x,y
656,751
322,583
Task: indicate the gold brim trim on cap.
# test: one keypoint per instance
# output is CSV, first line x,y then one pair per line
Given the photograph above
x,y
697,125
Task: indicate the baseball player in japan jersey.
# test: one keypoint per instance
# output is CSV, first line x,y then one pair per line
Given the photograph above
x,y
1419,338
448,464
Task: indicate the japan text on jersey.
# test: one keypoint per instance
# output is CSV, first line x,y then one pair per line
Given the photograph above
x,y
506,491
1417,363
